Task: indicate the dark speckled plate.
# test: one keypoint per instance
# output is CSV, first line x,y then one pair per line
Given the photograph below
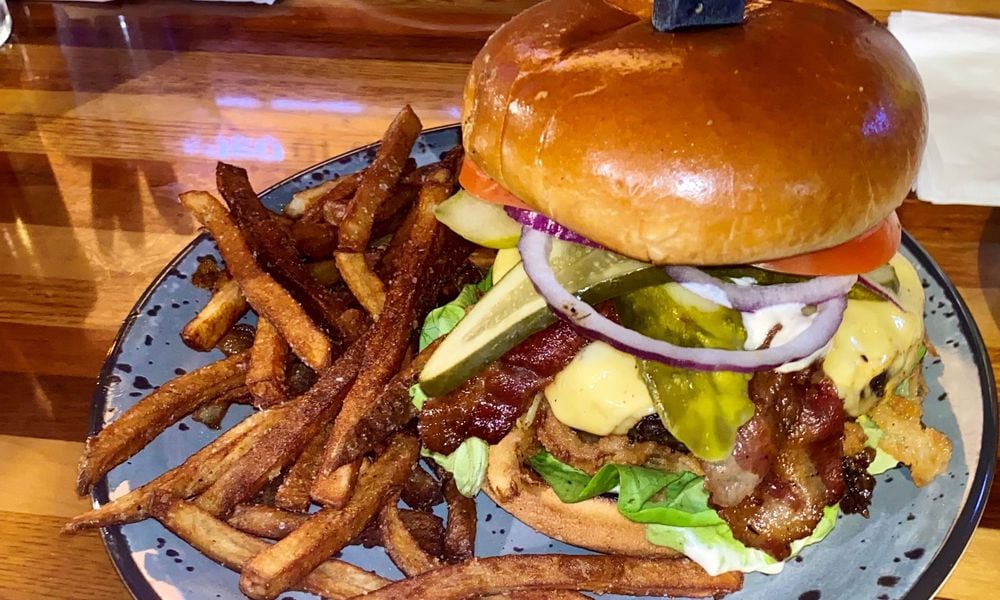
x,y
905,550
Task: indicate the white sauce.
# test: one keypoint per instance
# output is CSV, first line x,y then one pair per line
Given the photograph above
x,y
758,324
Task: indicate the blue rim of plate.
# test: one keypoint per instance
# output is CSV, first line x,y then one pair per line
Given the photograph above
x,y
926,586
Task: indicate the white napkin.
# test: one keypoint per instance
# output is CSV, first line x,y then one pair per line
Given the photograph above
x,y
959,61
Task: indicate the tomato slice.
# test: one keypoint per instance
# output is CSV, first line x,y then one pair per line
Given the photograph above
x,y
864,253
482,186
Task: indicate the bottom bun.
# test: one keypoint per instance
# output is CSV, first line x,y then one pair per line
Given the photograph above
x,y
594,524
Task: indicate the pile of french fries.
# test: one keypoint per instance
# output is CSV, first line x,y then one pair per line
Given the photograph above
x,y
340,283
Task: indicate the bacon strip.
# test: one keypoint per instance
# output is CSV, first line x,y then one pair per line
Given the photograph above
x,y
731,480
798,435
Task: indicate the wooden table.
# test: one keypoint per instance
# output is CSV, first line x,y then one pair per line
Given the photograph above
x,y
108,111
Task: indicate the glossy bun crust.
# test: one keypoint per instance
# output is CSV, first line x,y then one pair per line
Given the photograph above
x,y
595,524
796,131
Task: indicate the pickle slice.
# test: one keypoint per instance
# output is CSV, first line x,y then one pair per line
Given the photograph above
x,y
512,310
886,277
479,222
702,409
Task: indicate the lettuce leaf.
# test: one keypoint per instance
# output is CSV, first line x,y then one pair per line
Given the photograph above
x,y
443,319
417,396
468,462
883,460
717,551
644,495
675,509
904,387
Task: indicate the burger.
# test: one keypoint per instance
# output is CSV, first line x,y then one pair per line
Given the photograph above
x,y
698,335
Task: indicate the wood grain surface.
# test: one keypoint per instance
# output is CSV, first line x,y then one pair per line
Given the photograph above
x,y
107,111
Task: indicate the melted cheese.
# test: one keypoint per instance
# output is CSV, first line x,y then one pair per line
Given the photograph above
x,y
600,391
876,337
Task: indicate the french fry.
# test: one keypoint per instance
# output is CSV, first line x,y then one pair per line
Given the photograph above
x,y
396,205
305,199
419,175
593,573
226,306
363,282
315,234
280,566
412,558
262,292
422,491
315,240
426,528
401,546
265,521
340,485
425,249
325,271
452,160
355,323
394,252
460,528
266,373
539,595
234,549
137,426
386,353
274,523
293,493
301,421
378,181
334,201
393,217
274,250
194,475
332,213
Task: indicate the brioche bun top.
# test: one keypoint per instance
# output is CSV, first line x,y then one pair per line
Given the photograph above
x,y
793,132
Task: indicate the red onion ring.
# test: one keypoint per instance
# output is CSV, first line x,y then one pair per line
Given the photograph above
x,y
880,291
750,298
536,248
540,222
